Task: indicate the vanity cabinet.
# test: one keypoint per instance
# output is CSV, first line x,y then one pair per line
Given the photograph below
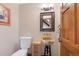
x,y
36,48
69,29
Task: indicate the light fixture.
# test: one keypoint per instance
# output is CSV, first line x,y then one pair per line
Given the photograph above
x,y
47,7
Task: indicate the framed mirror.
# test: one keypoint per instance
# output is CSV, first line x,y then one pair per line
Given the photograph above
x,y
47,21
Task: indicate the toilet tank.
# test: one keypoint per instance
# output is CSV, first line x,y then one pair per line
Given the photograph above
x,y
25,42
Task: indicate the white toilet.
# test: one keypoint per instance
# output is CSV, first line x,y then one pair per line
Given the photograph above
x,y
25,43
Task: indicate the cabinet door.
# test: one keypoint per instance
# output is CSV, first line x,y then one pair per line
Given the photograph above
x,y
76,44
77,24
36,49
68,28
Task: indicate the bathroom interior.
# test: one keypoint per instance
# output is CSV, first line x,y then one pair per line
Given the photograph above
x,y
33,29
22,30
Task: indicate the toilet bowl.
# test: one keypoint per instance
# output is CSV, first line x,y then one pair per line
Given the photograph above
x,y
25,43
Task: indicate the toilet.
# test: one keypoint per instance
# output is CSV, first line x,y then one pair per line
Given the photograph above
x,y
25,43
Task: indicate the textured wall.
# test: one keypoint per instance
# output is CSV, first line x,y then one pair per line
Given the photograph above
x,y
9,41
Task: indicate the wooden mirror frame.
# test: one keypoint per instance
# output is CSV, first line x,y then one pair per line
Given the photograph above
x,y
52,21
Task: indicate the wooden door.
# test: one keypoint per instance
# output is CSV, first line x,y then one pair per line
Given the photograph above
x,y
70,30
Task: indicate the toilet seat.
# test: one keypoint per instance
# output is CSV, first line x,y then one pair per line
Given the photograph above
x,y
21,52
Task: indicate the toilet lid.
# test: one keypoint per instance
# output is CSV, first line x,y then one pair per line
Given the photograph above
x,y
21,52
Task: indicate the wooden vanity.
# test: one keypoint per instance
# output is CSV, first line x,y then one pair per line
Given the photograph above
x,y
38,46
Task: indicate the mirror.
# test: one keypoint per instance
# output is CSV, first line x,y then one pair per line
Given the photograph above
x,y
47,21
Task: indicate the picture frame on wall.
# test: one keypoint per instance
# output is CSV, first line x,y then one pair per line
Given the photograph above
x,y
4,15
47,21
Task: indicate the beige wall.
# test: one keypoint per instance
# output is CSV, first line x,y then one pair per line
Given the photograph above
x,y
30,20
56,46
30,23
9,41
